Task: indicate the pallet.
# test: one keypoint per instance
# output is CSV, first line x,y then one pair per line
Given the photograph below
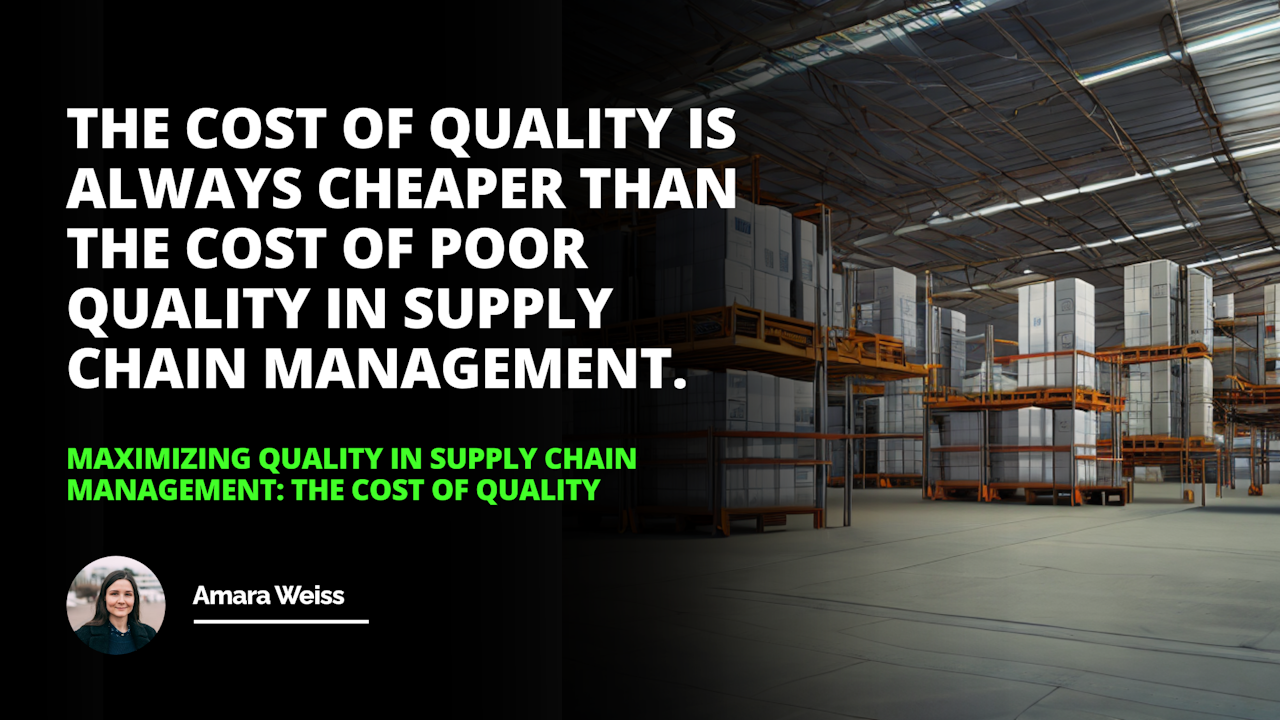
x,y
1031,492
767,517
688,517
1047,397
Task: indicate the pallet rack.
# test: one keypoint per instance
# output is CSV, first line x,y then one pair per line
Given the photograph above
x,y
744,338
1074,398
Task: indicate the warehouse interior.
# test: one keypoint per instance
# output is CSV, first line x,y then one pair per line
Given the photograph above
x,y
973,409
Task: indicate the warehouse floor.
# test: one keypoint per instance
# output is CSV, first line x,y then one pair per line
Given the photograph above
x,y
938,610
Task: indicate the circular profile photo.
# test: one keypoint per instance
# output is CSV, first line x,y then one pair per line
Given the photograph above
x,y
115,605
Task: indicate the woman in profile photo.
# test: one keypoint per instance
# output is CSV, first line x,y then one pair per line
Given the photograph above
x,y
116,627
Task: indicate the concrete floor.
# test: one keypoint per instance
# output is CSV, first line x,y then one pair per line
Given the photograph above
x,y
937,610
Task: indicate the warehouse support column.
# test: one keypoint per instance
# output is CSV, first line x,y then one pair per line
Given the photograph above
x,y
825,317
984,440
848,453
926,451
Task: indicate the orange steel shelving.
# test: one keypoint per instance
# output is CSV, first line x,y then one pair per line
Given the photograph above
x,y
742,338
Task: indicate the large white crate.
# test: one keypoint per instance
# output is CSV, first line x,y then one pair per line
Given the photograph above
x,y
885,299
1153,313
1224,306
1052,317
1200,399
1271,341
1153,399
1200,308
804,288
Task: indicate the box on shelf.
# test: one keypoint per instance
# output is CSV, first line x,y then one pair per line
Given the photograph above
x,y
804,238
1153,312
1200,399
1200,308
1271,343
1224,306
885,303
1153,399
1052,317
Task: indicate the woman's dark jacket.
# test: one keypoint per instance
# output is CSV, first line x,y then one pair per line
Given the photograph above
x,y
99,638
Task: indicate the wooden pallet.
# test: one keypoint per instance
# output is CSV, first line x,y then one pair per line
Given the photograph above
x,y
768,516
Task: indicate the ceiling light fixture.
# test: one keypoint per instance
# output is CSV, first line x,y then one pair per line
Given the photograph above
x,y
1265,27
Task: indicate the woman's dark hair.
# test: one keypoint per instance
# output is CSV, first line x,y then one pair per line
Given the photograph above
x,y
100,613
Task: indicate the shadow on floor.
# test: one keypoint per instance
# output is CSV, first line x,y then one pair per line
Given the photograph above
x,y
1268,509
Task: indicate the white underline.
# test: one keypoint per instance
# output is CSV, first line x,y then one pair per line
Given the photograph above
x,y
280,622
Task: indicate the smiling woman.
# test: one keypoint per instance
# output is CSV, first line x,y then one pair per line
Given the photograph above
x,y
116,627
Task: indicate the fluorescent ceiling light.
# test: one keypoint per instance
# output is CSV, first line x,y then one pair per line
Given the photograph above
x,y
1146,62
1229,258
1127,238
849,41
1259,150
1234,36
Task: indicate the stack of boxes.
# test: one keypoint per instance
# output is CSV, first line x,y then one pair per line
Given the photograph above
x,y
730,400
1200,308
1224,306
773,266
959,429
886,305
809,274
1152,304
1271,341
1052,317
1031,427
836,426
715,257
950,350
1200,398
1153,316
712,250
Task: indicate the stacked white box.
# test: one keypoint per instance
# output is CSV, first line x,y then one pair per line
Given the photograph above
x,y
886,305
1152,304
1145,474
732,400
839,318
704,258
804,238
1025,427
1200,399
1052,317
804,420
1200,308
1078,430
1271,343
901,412
1224,306
836,426
1074,430
771,262
774,247
950,350
1153,399
959,429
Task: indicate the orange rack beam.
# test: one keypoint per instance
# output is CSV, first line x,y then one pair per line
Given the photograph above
x,y
1153,353
1050,397
743,338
